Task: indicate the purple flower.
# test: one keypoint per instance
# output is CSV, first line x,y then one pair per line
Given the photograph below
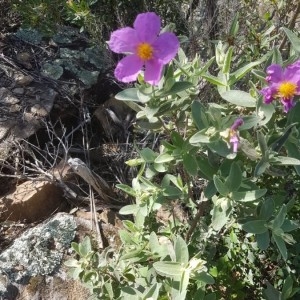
x,y
145,48
233,133
283,84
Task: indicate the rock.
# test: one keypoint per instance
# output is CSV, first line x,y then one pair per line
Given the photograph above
x,y
6,97
22,80
38,251
39,110
31,201
57,287
18,91
21,119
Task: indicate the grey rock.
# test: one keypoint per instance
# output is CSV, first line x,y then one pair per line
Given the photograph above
x,y
6,97
18,91
38,251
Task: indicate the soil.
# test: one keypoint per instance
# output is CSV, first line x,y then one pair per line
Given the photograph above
x,y
45,121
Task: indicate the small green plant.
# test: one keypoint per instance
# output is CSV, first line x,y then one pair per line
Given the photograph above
x,y
242,146
41,14
46,15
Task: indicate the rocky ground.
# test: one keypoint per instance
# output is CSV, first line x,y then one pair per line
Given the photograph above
x,y
63,143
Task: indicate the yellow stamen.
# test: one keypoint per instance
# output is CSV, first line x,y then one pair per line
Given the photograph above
x,y
145,51
287,90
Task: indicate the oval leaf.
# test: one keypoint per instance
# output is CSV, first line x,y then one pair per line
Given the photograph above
x,y
239,98
256,226
130,94
248,196
168,268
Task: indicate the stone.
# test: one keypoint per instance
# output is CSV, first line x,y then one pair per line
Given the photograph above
x,y
37,252
23,80
6,97
31,201
18,91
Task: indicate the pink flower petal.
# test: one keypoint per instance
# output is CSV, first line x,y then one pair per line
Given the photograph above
x,y
123,40
166,47
153,71
269,93
237,123
288,104
292,72
275,73
147,26
128,68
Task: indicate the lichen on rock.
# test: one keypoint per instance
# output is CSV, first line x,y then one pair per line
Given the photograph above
x,y
38,251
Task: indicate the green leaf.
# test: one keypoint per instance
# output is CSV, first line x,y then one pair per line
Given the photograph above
x,y
198,115
75,247
234,179
289,225
293,116
262,144
127,189
89,276
227,60
169,268
287,288
129,209
213,79
219,218
130,94
293,151
181,250
271,293
72,263
190,164
261,167
153,292
221,147
255,226
259,74
263,240
240,73
177,87
283,160
206,66
148,155
293,38
205,167
210,190
85,247
153,242
172,192
249,122
265,112
163,158
248,196
199,137
279,219
267,209
239,98
220,186
204,277
177,139
184,282
277,58
277,145
281,246
211,296
234,27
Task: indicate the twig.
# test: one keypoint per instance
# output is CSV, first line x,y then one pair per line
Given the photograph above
x,y
196,219
291,25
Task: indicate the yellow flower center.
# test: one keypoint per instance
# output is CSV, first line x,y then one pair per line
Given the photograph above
x,y
287,90
145,51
